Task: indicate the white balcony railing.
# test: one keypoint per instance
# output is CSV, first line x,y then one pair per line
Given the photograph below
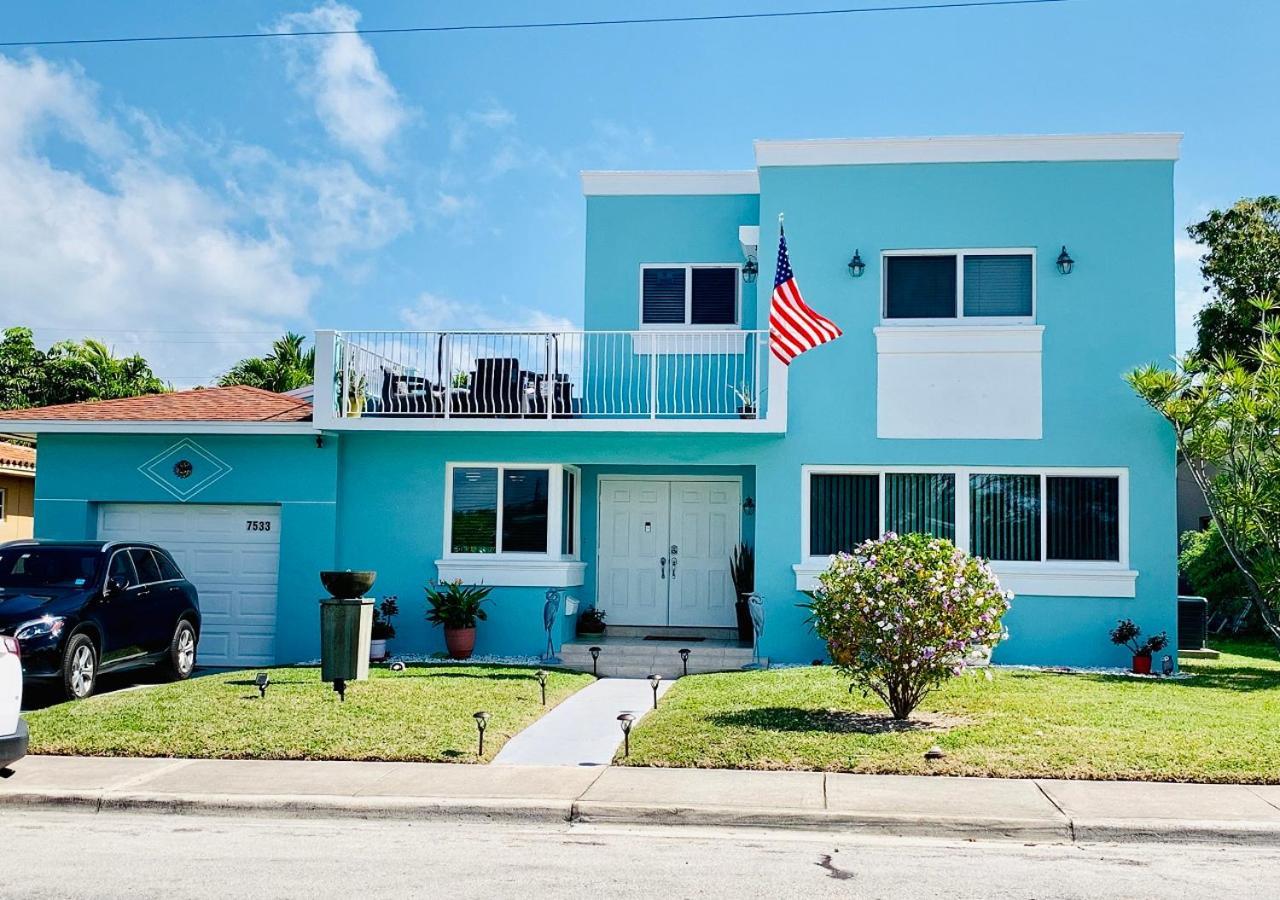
x,y
564,376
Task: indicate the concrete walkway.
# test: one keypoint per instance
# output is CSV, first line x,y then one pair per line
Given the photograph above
x,y
978,808
583,730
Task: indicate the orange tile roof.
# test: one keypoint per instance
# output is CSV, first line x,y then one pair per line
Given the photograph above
x,y
16,456
222,404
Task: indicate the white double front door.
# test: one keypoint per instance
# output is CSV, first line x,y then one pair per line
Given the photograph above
x,y
664,551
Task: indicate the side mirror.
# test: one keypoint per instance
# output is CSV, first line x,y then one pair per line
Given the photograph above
x,y
114,587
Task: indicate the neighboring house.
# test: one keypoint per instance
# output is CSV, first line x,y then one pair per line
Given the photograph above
x,y
17,490
1193,510
977,393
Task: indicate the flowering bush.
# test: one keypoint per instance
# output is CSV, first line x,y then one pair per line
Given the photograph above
x,y
900,614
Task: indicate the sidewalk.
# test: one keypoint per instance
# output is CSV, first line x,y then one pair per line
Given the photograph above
x,y
976,808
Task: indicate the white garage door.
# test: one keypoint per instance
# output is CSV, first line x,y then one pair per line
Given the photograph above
x,y
230,553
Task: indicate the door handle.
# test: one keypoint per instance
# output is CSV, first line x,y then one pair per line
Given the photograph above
x,y
674,557
663,570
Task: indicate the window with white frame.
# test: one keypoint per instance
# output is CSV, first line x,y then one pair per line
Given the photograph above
x,y
674,296
515,510
988,286
1016,516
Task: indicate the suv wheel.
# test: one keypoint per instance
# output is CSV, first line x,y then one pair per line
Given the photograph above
x,y
182,652
79,667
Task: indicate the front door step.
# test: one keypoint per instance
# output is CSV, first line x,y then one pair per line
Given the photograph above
x,y
664,631
638,658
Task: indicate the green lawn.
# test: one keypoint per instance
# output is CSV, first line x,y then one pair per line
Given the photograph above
x,y
422,714
1221,725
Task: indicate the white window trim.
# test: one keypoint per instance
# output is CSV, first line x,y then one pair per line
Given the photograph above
x,y
1047,577
960,318
517,568
688,297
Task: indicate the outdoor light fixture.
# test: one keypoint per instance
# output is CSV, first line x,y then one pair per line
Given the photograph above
x,y
595,655
340,685
856,265
749,507
482,722
1166,664
319,442
684,659
934,753
262,681
625,721
1065,262
655,680
541,675
750,269
397,666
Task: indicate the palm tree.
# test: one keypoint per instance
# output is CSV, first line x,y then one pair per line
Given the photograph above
x,y
285,368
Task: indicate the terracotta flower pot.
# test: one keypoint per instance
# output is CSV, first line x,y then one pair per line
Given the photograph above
x,y
1142,665
462,641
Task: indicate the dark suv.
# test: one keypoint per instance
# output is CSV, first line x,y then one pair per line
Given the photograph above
x,y
80,608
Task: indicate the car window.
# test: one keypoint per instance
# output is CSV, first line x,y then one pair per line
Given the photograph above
x,y
145,563
168,568
122,570
24,566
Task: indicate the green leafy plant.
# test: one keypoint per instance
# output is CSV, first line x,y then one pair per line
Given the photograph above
x,y
452,604
461,380
1127,634
591,621
1210,572
383,627
1225,417
900,615
742,569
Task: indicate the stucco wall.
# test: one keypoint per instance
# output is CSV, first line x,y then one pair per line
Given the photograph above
x,y
19,499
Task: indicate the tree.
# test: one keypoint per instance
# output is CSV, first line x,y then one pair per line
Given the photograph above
x,y
901,614
1225,415
68,372
1241,264
286,368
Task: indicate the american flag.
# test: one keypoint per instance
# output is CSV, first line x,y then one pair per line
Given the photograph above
x,y
794,326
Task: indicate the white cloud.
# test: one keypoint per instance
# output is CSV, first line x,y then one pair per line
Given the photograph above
x,y
433,312
107,233
1189,294
340,74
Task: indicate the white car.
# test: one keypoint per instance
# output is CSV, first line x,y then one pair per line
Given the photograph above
x,y
13,730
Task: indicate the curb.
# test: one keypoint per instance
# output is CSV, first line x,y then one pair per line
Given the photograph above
x,y
496,809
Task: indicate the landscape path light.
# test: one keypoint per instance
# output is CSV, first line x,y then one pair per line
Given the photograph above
x,y
595,655
482,722
625,720
261,683
541,675
654,680
684,659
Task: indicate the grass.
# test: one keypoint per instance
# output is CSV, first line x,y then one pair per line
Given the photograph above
x,y
1223,725
421,714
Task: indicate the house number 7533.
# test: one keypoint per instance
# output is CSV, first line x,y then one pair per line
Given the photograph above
x,y
256,525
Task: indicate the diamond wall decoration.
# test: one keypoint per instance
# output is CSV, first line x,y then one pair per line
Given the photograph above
x,y
185,469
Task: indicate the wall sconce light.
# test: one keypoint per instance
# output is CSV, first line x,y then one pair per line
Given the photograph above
x,y
1065,262
856,265
750,269
749,507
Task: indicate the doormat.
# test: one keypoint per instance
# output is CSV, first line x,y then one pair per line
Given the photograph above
x,y
667,637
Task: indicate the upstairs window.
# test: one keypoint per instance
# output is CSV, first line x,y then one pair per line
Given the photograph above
x,y
673,296
961,284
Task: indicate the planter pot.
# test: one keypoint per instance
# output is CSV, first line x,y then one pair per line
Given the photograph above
x,y
377,649
746,412
746,633
460,642
1142,665
347,585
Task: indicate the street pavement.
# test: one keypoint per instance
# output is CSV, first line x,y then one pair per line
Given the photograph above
x,y
76,853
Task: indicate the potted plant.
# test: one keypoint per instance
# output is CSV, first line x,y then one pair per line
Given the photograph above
x,y
1127,634
461,380
457,607
742,570
591,621
383,628
747,401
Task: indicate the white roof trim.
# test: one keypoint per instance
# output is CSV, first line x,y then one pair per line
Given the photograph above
x,y
607,184
85,426
972,148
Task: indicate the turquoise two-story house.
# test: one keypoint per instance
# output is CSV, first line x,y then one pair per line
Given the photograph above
x,y
992,292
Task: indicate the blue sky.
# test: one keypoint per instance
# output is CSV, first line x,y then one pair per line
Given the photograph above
x,y
190,200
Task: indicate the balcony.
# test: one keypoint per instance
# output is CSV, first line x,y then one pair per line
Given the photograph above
x,y
674,381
